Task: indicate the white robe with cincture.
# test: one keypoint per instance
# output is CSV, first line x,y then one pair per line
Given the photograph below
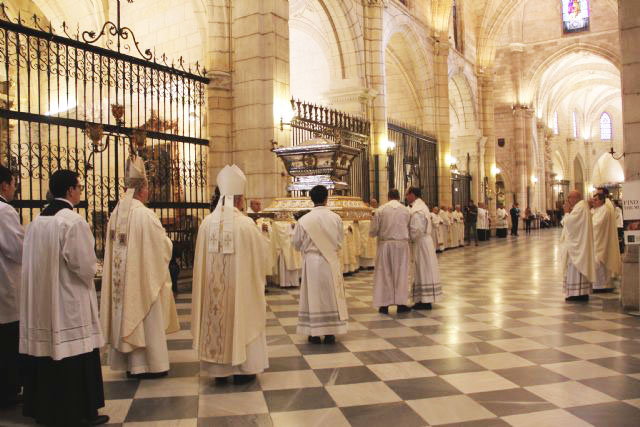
x,y
606,249
391,278
58,304
11,238
577,253
323,307
228,318
426,274
438,227
445,225
289,259
139,311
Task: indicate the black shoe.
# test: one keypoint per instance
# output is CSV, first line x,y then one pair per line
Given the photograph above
x,y
149,375
243,379
329,339
221,380
578,298
383,310
603,290
99,420
314,340
403,309
422,306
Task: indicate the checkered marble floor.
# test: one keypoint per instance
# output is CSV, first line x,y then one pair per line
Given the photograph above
x,y
503,348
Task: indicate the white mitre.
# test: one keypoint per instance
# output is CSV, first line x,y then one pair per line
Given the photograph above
x,y
134,171
231,182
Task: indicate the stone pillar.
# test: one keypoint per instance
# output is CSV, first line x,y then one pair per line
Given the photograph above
x,y
488,141
441,74
520,178
374,54
629,21
529,158
260,83
542,172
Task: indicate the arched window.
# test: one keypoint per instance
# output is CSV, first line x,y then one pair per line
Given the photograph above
x,y
606,130
575,124
556,128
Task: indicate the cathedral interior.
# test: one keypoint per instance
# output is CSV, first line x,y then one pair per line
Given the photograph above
x,y
496,101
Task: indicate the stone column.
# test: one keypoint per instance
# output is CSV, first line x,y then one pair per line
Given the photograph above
x,y
542,172
529,158
486,88
629,21
441,74
260,83
374,55
520,178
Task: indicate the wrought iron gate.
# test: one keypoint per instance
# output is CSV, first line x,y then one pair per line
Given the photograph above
x,y
414,162
460,189
312,121
54,88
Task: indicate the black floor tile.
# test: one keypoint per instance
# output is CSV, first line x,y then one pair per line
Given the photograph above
x,y
163,408
387,414
298,399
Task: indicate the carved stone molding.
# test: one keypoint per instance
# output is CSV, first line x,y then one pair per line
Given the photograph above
x,y
381,3
220,80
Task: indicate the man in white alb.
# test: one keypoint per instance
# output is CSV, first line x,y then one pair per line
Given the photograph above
x,y
11,238
502,221
228,318
483,223
439,228
137,308
426,274
577,249
605,239
445,226
391,278
368,244
323,305
60,336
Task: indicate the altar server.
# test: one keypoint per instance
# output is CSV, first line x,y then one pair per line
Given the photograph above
x,y
11,237
578,258
289,259
483,223
368,244
459,225
228,319
426,274
605,239
390,281
445,226
502,221
323,306
439,228
137,308
60,332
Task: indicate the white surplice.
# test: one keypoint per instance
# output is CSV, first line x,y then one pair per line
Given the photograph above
x,y
323,307
137,309
368,245
391,281
273,246
460,227
289,259
445,225
483,219
58,304
606,249
11,239
502,218
228,319
426,274
577,251
437,223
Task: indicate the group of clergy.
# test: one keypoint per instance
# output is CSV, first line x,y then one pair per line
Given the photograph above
x,y
590,251
52,327
449,227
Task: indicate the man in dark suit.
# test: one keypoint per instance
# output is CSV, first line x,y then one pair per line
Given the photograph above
x,y
515,217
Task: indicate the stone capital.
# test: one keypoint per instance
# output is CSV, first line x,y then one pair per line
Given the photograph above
x,y
379,3
220,80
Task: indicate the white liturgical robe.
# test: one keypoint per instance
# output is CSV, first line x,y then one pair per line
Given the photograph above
x,y
426,275
368,244
228,319
439,239
483,219
323,307
289,259
578,257
391,281
11,238
58,304
460,227
137,309
502,218
445,225
605,239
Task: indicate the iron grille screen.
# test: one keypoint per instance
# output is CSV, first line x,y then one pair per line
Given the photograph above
x,y
53,86
414,162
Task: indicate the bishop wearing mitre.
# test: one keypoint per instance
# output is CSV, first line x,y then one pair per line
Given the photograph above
x,y
137,308
605,239
229,308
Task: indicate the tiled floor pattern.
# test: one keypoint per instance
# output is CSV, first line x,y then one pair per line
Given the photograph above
x,y
502,349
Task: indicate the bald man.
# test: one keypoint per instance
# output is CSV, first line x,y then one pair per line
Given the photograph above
x,y
577,249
